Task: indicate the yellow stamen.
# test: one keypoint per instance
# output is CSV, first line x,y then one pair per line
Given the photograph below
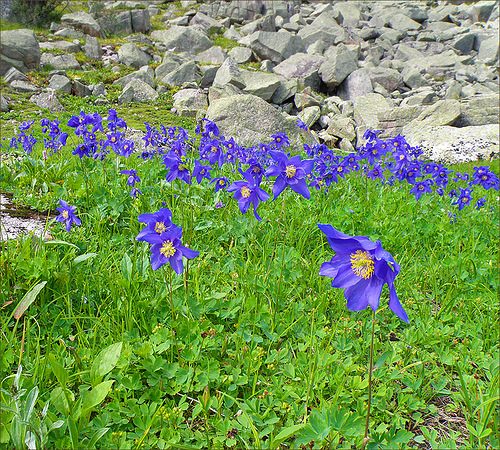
x,y
290,171
245,192
362,264
167,249
160,227
65,214
214,149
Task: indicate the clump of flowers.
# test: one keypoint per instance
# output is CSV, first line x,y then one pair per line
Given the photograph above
x,y
67,215
361,267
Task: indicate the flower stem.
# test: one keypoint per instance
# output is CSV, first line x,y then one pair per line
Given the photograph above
x,y
170,293
370,370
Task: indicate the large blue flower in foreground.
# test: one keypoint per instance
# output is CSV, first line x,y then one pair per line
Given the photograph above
x,y
167,248
156,224
361,267
290,172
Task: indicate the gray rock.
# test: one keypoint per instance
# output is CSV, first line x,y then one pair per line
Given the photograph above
x,y
140,19
366,111
185,73
339,64
443,112
275,46
118,23
261,84
59,62
131,55
479,110
325,28
358,83
170,62
389,79
488,51
182,21
47,100
413,78
252,120
23,86
453,145
70,33
266,23
215,93
208,75
454,90
302,66
482,10
80,89
267,66
464,43
286,90
69,47
241,55
232,34
405,53
183,39
190,102
443,13
342,127
229,73
438,66
392,121
19,49
213,55
426,97
206,23
60,83
92,48
99,90
310,115
82,21
402,22
14,74
4,104
137,91
348,13
307,98
145,74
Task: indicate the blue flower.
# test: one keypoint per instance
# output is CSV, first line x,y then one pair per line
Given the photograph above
x,y
200,171
67,215
247,192
132,177
421,187
156,224
361,267
290,172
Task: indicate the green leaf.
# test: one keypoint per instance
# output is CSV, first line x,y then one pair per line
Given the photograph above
x,y
94,397
97,435
28,299
57,241
58,369
284,434
105,362
126,266
84,257
59,399
29,404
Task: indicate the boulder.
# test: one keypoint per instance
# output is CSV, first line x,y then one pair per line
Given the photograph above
x,y
229,73
185,73
137,91
366,110
92,48
241,55
252,120
310,115
80,89
190,102
47,100
213,55
358,83
402,22
65,46
275,46
14,74
451,145
206,23
389,79
19,49
324,28
340,63
479,110
118,23
23,86
145,74
303,67
4,105
82,21
488,51
59,62
261,84
131,55
60,83
183,39
342,127
141,22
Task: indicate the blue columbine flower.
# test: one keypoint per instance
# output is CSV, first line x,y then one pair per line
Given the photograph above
x,y
156,224
464,198
361,267
200,171
421,187
247,192
290,172
132,177
67,215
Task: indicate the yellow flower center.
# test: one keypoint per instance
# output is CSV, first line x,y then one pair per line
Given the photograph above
x,y
167,249
362,264
245,192
290,171
65,214
160,227
113,139
340,169
221,182
214,149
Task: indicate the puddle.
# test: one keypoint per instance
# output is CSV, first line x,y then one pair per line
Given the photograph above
x,y
17,220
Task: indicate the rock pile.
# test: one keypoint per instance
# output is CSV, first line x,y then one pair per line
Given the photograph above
x,y
426,70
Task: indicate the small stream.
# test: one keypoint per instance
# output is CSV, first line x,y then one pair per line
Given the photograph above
x,y
17,220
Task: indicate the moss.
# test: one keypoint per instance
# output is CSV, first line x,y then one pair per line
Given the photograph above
x,y
224,42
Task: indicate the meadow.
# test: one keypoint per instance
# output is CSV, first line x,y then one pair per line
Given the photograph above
x,y
247,346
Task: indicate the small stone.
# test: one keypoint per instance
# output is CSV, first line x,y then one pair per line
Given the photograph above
x,y
47,100
60,83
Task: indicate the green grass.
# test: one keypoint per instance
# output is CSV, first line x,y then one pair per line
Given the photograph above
x,y
261,350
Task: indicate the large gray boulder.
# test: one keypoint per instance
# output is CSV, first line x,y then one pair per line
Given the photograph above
x,y
145,73
389,79
251,120
190,102
92,48
137,91
366,111
324,28
65,46
187,72
303,67
452,145
131,55
358,83
479,110
47,100
60,83
229,73
82,21
206,23
261,84
340,63
275,46
118,23
183,39
19,49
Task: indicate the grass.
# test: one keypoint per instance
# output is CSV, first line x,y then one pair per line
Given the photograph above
x,y
260,351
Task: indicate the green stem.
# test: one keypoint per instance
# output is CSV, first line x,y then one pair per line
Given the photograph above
x,y
170,289
370,370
